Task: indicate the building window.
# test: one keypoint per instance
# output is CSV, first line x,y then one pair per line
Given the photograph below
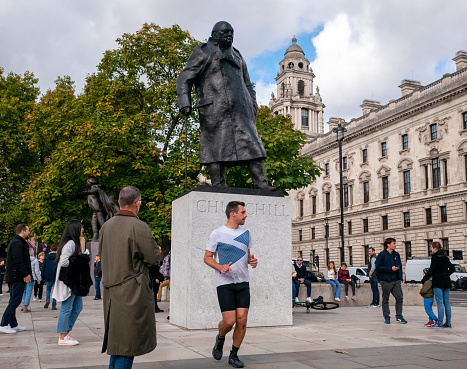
x,y
384,218
465,166
405,142
445,242
366,192
366,251
434,131
365,225
445,169
428,216
346,195
464,116
384,151
385,187
326,168
301,89
313,204
408,249
328,201
350,255
436,173
428,244
344,162
426,177
301,208
349,227
444,213
304,117
365,155
406,175
406,219
313,234
300,235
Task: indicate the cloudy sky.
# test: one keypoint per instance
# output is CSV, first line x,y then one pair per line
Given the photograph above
x,y
358,49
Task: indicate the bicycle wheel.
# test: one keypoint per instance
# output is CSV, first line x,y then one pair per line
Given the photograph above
x,y
325,306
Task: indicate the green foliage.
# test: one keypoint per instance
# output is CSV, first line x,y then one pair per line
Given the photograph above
x,y
285,168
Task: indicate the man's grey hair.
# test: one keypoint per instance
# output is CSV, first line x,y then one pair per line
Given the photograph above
x,y
128,196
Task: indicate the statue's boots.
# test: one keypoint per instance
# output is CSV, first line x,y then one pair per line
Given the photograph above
x,y
258,175
217,174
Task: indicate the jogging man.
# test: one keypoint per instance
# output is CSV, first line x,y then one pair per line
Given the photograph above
x,y
228,252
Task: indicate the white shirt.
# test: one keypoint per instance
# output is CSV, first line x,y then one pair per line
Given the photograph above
x,y
231,246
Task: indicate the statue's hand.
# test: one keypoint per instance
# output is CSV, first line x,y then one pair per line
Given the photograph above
x,y
186,111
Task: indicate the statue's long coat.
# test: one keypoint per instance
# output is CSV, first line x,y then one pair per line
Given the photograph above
x,y
226,104
127,248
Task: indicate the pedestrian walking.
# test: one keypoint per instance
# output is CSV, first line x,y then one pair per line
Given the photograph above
x,y
156,278
39,286
18,273
165,271
127,249
428,297
373,274
389,268
97,277
2,275
228,252
440,270
49,272
35,278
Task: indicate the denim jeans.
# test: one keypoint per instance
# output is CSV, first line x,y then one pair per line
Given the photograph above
x,y
374,290
48,291
1,282
16,292
121,362
69,312
97,284
336,288
294,290
428,303
307,283
442,301
28,292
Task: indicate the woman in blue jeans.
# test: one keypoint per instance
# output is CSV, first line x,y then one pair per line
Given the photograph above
x,y
71,304
440,271
35,278
331,278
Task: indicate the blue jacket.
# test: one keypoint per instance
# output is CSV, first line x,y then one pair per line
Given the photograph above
x,y
384,263
49,267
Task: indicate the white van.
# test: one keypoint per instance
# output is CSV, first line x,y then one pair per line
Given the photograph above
x,y
360,272
414,272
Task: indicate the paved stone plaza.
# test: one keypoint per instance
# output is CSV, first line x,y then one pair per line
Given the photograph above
x,y
351,337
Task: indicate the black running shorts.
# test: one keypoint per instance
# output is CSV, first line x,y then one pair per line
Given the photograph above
x,y
233,296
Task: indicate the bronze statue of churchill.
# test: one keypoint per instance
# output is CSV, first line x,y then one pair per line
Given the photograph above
x,y
227,107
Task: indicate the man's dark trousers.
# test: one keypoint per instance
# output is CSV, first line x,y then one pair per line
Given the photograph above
x,y
16,294
374,290
394,287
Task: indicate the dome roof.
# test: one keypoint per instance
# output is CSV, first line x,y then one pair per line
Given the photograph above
x,y
294,48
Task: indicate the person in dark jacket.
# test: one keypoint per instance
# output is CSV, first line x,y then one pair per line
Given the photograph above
x,y
301,278
49,271
97,277
18,273
156,278
440,271
389,267
2,274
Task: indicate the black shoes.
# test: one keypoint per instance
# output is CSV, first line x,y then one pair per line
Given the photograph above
x,y
159,310
217,349
97,298
235,361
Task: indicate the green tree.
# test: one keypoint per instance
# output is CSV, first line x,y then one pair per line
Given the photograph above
x,y
17,161
285,168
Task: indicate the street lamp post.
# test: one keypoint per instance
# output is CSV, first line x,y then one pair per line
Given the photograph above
x,y
339,130
326,235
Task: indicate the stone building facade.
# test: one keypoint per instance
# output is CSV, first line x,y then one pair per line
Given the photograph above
x,y
405,176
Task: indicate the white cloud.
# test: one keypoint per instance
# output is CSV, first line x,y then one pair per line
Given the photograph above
x,y
263,92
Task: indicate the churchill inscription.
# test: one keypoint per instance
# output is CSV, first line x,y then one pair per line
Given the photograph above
x,y
252,208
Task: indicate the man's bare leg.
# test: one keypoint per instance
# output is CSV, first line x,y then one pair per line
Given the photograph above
x,y
225,326
240,326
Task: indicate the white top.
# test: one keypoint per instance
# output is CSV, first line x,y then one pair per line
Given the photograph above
x,y
61,290
231,245
331,274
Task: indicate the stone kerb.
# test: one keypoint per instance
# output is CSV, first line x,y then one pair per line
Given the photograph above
x,y
193,298
363,294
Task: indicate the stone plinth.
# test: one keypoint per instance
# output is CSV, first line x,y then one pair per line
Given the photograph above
x,y
193,297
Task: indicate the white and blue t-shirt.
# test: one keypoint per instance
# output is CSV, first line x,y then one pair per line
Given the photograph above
x,y
231,245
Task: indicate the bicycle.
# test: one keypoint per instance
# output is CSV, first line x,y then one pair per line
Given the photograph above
x,y
317,304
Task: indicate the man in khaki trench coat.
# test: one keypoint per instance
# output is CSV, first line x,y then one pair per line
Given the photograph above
x,y
127,248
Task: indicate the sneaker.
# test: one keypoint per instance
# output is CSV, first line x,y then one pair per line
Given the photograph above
x,y
54,308
235,361
7,329
447,325
401,320
67,341
347,298
18,328
296,299
217,350
337,299
437,325
46,305
387,320
354,298
429,324
308,299
40,300
159,310
34,299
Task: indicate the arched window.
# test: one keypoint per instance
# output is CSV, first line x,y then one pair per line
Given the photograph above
x,y
301,87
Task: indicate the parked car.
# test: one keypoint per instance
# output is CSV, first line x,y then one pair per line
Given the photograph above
x,y
414,273
360,272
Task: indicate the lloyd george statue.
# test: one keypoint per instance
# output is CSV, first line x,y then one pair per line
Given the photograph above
x,y
227,107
